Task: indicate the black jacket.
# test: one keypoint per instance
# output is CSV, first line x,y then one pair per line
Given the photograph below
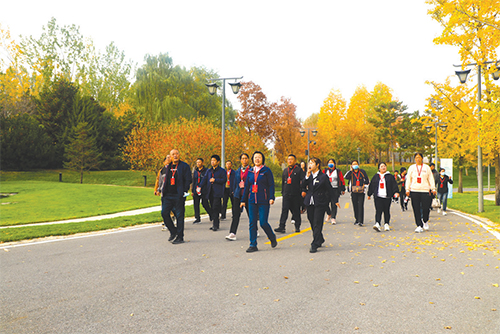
x,y
442,184
390,183
183,178
296,175
220,176
197,174
319,189
351,177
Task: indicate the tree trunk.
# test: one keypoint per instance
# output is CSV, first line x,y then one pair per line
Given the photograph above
x,y
81,176
497,179
460,185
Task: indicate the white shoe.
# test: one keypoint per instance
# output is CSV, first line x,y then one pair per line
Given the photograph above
x,y
293,222
231,237
163,229
376,227
419,229
386,227
258,234
439,210
426,226
333,221
444,213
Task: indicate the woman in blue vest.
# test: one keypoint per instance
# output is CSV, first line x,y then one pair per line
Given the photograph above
x,y
259,195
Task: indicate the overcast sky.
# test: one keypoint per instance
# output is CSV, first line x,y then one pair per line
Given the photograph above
x,y
297,49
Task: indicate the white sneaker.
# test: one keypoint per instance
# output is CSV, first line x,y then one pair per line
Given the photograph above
x,y
163,229
258,234
444,213
386,227
439,210
293,222
376,227
333,221
231,237
426,226
419,229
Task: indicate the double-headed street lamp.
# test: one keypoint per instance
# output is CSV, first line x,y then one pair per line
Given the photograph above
x,y
436,104
462,75
212,89
314,132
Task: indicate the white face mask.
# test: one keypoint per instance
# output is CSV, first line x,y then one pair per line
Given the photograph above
x,y
442,173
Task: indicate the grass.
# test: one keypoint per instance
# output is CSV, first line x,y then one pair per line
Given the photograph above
x,y
41,201
467,202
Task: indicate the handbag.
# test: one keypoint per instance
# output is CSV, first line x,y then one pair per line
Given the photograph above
x,y
357,189
436,203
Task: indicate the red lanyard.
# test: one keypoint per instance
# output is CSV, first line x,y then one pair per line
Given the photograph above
x,y
244,174
290,172
199,175
419,172
441,180
256,174
357,176
173,170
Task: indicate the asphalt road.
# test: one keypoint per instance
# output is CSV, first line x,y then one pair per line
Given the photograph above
x,y
442,281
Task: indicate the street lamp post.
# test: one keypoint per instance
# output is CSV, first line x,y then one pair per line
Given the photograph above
x,y
436,104
462,75
314,132
212,89
359,150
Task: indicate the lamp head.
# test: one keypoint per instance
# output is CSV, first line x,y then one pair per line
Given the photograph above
x,y
462,75
302,133
314,132
212,88
443,127
235,86
428,128
496,74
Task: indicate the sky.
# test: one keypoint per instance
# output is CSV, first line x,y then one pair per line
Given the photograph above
x,y
294,49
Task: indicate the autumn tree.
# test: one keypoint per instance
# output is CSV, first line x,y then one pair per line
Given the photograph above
x,y
257,113
472,26
286,129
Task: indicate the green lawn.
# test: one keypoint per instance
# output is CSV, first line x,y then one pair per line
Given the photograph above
x,y
467,202
40,201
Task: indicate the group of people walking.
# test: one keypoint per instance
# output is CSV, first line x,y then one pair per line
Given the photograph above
x,y
304,188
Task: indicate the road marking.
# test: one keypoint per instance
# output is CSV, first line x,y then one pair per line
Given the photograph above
x,y
346,205
290,235
486,226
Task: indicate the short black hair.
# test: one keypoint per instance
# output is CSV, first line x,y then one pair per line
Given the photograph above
x,y
355,161
229,161
292,155
262,154
216,157
440,169
200,159
415,155
332,159
402,170
242,154
316,161
432,164
381,163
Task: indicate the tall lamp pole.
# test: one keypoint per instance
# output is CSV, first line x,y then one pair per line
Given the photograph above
x,y
462,75
212,89
436,104
314,132
359,150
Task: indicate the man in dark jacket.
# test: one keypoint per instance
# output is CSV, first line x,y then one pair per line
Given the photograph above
x,y
198,174
213,189
291,181
175,190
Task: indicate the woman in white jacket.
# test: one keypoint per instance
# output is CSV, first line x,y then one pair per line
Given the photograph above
x,y
419,186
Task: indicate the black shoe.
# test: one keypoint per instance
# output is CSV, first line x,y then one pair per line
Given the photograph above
x,y
313,249
197,221
297,230
360,224
280,230
356,223
274,243
213,228
252,249
172,237
223,218
178,241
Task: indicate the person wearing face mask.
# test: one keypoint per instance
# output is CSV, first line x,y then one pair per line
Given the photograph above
x,y
383,187
338,187
442,189
420,186
358,180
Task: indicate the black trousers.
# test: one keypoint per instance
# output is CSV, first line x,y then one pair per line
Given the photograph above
x,y
421,203
176,203
196,203
227,196
292,204
316,215
237,211
382,205
358,205
215,207
332,208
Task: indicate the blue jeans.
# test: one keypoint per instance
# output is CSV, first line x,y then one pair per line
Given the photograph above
x,y
443,198
260,212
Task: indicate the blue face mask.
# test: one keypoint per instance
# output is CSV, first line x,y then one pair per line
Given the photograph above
x,y
355,167
331,165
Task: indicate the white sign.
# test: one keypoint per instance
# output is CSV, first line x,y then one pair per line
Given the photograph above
x,y
447,164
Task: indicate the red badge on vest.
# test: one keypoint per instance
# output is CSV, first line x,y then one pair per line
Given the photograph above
x,y
255,188
289,180
172,181
419,179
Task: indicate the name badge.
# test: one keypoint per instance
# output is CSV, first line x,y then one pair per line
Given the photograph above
x,y
289,180
419,179
242,184
441,186
357,183
382,185
198,190
255,188
172,181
